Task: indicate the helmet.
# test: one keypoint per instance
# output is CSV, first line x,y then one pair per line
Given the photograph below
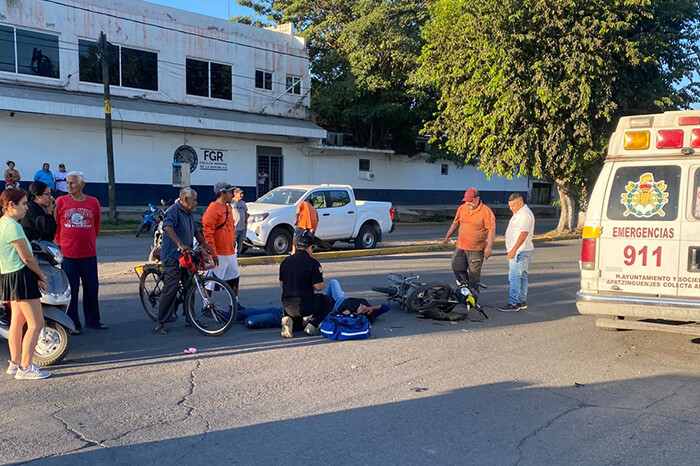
x,y
305,239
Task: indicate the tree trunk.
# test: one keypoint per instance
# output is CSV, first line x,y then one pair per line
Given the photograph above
x,y
566,217
581,219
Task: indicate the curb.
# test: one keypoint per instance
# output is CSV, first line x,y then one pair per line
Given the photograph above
x,y
389,251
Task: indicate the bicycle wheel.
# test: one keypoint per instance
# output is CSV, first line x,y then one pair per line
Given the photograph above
x,y
428,296
150,289
210,306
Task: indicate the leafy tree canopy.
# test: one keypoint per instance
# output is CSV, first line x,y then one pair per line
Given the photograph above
x,y
362,54
536,86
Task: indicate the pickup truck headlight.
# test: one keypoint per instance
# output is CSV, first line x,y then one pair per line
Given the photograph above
x,y
257,218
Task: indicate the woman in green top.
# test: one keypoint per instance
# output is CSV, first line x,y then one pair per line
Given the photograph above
x,y
20,282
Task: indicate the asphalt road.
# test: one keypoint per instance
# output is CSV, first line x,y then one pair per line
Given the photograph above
x,y
543,386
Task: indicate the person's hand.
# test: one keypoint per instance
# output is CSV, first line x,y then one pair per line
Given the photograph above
x,y
487,252
216,260
362,309
511,254
50,209
184,249
42,284
445,241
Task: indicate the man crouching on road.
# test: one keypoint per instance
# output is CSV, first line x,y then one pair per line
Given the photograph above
x,y
179,228
300,276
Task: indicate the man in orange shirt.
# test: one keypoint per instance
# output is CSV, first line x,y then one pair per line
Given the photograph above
x,y
219,229
306,219
477,230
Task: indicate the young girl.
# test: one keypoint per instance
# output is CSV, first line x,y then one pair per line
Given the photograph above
x,y
20,282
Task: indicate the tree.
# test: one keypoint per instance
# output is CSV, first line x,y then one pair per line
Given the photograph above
x,y
362,53
536,86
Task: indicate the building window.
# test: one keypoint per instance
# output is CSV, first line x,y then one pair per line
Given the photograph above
x,y
36,52
208,79
90,66
139,68
263,79
364,165
294,85
444,169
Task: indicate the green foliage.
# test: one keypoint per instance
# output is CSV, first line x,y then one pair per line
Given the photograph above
x,y
536,86
362,54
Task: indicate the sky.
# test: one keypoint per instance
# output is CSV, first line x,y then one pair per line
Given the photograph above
x,y
216,8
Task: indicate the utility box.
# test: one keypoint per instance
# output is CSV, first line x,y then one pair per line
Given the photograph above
x,y
181,174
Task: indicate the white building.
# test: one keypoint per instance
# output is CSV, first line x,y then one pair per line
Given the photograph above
x,y
231,99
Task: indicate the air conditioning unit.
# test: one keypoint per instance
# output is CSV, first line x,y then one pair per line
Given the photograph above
x,y
369,176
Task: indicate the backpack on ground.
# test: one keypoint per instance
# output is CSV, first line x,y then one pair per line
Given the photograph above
x,y
338,326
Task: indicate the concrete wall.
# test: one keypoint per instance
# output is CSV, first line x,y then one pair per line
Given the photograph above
x,y
175,35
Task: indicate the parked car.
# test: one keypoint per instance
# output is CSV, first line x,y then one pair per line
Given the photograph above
x,y
341,217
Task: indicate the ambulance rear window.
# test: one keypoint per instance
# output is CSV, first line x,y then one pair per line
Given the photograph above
x,y
696,198
645,193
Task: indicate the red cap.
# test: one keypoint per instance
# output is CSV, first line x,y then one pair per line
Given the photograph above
x,y
470,194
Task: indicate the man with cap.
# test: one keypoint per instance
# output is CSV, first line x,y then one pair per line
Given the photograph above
x,y
60,179
477,230
300,277
219,228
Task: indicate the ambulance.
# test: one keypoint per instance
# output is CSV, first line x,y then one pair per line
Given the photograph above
x,y
640,255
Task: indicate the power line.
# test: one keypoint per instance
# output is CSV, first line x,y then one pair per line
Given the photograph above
x,y
167,28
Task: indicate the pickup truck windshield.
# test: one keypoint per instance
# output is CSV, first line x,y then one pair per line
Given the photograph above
x,y
282,196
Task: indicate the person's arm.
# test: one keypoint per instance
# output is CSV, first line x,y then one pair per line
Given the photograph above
x,y
209,223
451,231
18,176
518,243
296,220
247,216
57,216
27,257
281,284
205,245
490,224
319,286
98,217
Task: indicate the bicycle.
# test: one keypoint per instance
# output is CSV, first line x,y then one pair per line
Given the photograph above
x,y
208,302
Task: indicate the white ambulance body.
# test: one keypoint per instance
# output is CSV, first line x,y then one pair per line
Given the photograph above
x,y
640,256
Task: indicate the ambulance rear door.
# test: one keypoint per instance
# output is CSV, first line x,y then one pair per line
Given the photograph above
x,y
640,234
689,259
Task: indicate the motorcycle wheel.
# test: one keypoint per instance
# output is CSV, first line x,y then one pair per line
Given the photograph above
x,y
428,296
53,345
139,230
150,289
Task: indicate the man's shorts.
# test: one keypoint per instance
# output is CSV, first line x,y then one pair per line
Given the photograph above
x,y
226,270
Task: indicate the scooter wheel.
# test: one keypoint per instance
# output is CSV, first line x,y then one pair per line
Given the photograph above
x,y
53,345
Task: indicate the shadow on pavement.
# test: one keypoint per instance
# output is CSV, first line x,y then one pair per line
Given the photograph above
x,y
634,421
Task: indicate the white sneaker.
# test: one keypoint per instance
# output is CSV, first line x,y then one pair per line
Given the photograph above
x,y
287,325
12,368
32,373
311,330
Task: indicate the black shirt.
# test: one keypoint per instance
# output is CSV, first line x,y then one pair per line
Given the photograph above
x,y
298,274
37,224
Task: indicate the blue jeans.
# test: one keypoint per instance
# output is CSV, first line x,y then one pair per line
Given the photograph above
x,y
334,290
517,276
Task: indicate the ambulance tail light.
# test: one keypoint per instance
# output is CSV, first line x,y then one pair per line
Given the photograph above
x,y
689,120
637,140
695,137
669,139
588,253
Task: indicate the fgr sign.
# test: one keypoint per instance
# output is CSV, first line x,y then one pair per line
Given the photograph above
x,y
213,160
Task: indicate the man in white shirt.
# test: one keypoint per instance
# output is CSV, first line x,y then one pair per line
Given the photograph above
x,y
519,246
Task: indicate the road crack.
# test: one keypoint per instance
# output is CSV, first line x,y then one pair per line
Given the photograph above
x,y
76,433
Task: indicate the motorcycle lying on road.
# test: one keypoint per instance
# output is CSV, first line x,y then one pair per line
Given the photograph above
x,y
416,296
151,218
54,340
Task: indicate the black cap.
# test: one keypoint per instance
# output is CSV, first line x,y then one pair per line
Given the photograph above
x,y
305,239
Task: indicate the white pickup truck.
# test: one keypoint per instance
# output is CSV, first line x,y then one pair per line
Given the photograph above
x,y
340,217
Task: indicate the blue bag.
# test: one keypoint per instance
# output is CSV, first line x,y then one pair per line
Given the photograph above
x,y
338,326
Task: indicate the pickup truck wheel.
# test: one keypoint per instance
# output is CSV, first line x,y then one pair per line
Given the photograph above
x,y
367,238
279,242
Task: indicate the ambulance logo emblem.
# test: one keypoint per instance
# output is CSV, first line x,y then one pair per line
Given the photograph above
x,y
645,198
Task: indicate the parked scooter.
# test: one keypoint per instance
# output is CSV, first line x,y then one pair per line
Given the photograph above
x,y
151,218
54,340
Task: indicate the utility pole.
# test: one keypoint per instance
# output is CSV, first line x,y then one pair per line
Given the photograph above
x,y
104,58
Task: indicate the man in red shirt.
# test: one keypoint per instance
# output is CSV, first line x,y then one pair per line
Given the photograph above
x,y
78,219
477,230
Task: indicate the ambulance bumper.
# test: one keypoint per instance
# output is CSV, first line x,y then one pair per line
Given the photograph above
x,y
638,306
